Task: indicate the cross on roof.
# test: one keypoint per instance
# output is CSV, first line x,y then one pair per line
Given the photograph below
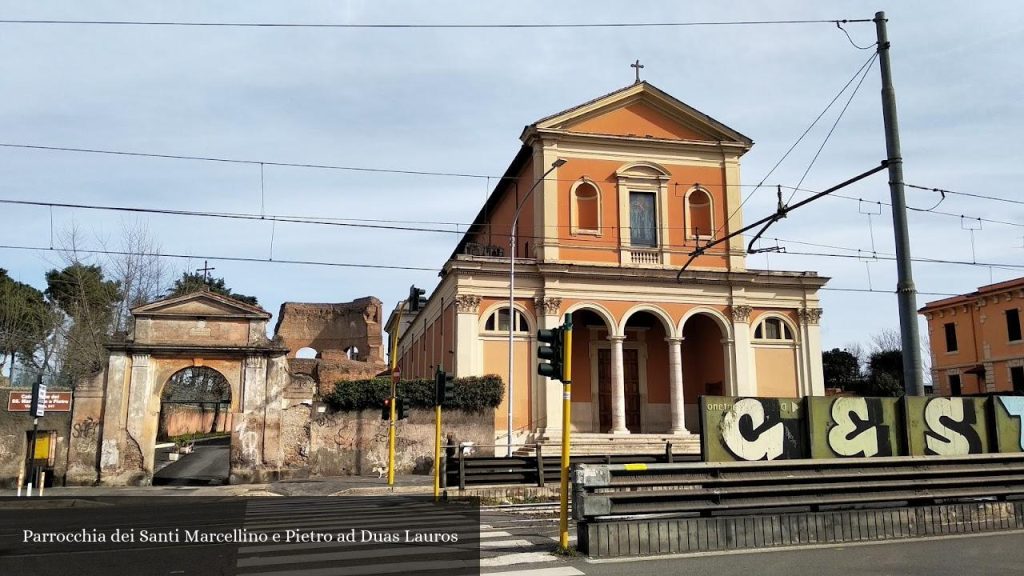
x,y
206,269
637,65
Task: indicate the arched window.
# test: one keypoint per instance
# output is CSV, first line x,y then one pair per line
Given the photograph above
x,y
352,352
772,329
586,208
306,353
498,321
698,206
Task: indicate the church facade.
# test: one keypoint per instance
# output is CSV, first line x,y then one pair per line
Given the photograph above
x,y
612,196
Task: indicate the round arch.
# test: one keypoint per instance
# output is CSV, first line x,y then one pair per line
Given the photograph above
x,y
609,319
631,168
666,319
531,324
793,328
723,323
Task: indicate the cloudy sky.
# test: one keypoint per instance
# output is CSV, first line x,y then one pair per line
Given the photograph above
x,y
455,100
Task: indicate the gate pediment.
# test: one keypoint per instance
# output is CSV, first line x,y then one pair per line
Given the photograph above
x,y
200,319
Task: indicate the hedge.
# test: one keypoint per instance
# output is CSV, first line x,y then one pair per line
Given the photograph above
x,y
472,394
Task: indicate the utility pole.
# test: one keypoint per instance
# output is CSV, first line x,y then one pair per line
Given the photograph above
x,y
906,293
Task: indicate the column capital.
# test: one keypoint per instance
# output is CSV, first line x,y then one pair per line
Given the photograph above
x,y
616,338
467,303
674,339
741,313
140,360
809,316
547,306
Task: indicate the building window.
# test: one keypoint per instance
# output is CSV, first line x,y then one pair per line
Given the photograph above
x,y
1017,379
643,219
773,329
1013,324
698,204
950,337
954,385
586,208
498,321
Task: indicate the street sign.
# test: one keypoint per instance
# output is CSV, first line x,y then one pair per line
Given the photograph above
x,y
21,401
38,408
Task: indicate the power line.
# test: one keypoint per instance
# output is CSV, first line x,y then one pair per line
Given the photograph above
x,y
220,258
982,196
797,142
400,26
241,161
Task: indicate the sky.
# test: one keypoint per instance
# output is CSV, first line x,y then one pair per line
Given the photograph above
x,y
455,100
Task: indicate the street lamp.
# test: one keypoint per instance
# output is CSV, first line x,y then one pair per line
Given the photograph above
x,y
511,297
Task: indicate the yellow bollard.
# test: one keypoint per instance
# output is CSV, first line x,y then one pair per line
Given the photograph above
x,y
21,481
42,482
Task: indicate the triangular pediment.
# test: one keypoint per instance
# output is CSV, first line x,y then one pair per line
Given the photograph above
x,y
641,111
203,303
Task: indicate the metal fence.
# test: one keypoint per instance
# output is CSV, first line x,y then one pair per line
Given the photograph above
x,y
636,509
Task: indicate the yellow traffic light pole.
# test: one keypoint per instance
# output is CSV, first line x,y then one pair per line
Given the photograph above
x,y
563,519
394,395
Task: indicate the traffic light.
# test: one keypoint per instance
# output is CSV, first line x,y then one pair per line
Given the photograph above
x,y
415,294
385,411
444,387
553,350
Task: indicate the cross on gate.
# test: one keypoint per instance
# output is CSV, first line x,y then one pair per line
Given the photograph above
x,y
637,65
206,269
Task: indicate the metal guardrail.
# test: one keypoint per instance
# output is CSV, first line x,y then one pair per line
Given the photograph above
x,y
636,509
534,469
636,490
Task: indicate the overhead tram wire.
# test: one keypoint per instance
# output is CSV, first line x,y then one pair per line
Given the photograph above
x,y
401,26
796,143
328,222
968,194
221,258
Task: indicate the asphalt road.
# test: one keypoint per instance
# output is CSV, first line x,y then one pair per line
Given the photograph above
x,y
989,554
208,464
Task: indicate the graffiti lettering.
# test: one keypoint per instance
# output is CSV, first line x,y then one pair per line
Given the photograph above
x,y
854,434
1014,406
749,434
950,428
85,429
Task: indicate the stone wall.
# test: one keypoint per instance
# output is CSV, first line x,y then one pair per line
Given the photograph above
x,y
330,329
354,443
179,419
15,434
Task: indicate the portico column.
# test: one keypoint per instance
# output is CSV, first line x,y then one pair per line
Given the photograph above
x,y
675,376
618,387
811,345
548,392
467,335
746,372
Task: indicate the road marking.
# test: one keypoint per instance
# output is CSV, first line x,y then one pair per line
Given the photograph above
x,y
407,567
517,558
560,571
494,534
506,544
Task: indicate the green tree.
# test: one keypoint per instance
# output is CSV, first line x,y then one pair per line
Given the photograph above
x,y
25,320
88,302
885,373
842,370
194,282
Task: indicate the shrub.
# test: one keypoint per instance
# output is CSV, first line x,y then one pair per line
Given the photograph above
x,y
472,394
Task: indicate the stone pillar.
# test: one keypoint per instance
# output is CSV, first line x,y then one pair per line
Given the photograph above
x,y
137,458
675,375
743,355
810,319
276,381
113,414
86,422
248,429
618,387
547,390
467,335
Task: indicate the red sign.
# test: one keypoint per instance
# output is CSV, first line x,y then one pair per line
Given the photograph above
x,y
20,401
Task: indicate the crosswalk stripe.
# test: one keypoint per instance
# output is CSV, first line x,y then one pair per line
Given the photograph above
x,y
506,544
374,552
409,567
517,558
560,571
493,534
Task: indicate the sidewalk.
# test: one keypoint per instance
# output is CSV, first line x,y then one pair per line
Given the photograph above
x,y
328,486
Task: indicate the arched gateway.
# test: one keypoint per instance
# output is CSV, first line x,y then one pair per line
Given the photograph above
x,y
201,329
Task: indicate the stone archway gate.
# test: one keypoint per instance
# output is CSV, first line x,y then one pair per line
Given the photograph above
x,y
117,413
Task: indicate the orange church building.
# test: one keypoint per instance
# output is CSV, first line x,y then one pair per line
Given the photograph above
x,y
613,195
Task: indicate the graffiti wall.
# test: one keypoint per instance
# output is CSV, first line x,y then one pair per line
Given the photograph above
x,y
747,429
